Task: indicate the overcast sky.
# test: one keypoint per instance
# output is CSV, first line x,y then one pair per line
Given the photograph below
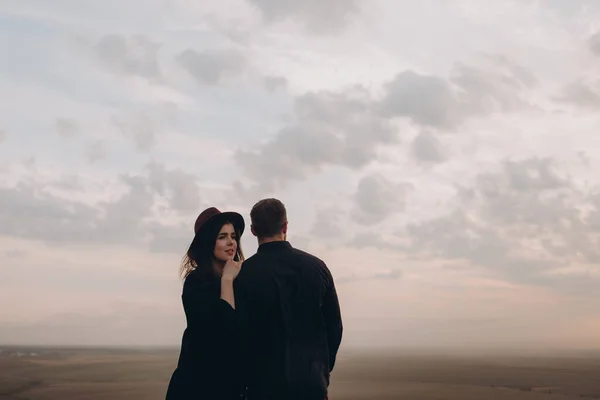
x,y
438,155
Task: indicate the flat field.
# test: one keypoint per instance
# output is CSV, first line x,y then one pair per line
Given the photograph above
x,y
115,374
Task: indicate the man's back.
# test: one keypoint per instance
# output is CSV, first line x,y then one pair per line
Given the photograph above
x,y
291,323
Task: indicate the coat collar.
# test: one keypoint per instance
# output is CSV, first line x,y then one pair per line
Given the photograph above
x,y
274,246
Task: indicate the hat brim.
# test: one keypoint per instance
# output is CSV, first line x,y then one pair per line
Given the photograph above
x,y
234,218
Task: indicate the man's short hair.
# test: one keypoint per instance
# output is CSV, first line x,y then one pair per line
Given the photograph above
x,y
268,217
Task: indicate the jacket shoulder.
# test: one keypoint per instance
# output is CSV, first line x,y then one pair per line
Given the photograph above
x,y
309,257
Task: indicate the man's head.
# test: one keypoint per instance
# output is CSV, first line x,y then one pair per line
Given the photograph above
x,y
269,220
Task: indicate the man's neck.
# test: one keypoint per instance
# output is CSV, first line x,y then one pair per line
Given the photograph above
x,y
277,238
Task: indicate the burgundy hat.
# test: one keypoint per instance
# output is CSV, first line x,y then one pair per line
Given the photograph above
x,y
212,216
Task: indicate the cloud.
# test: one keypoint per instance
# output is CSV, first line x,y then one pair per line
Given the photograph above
x,y
129,56
497,85
332,105
139,127
273,83
319,17
377,198
66,127
327,222
15,253
426,148
594,44
143,126
527,222
96,151
327,129
374,240
348,127
180,188
582,94
29,212
426,100
144,213
211,67
572,9
2,135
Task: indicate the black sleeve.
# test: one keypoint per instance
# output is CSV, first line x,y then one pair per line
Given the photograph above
x,y
333,320
212,354
243,309
205,310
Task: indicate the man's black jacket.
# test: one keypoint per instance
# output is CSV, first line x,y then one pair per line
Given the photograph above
x,y
291,325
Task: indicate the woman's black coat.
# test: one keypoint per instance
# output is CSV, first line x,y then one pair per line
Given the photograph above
x,y
208,366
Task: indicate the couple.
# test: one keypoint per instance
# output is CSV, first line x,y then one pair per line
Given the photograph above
x,y
268,329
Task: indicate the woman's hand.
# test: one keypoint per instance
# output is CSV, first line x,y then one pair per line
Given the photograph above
x,y
231,269
230,272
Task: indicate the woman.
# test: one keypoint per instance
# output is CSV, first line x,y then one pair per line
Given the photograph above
x,y
208,363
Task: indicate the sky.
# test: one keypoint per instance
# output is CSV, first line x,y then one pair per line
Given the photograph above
x,y
437,155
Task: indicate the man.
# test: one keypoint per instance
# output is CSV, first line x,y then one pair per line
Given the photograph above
x,y
289,312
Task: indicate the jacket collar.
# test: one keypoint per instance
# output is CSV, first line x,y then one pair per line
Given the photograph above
x,y
274,246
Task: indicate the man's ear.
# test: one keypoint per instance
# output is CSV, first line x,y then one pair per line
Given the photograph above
x,y
252,230
285,226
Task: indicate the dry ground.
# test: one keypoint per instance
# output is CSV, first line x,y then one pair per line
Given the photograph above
x,y
87,374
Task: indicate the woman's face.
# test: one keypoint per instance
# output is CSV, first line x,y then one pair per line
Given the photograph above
x,y
226,244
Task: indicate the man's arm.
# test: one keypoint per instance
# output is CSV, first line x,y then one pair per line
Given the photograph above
x,y
333,320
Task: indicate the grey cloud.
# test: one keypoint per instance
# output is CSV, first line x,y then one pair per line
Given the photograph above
x,y
594,44
377,198
32,210
513,74
179,187
572,9
143,126
327,129
124,219
236,33
211,67
169,239
15,253
348,128
138,127
2,135
521,222
273,83
96,151
529,175
497,85
320,17
581,94
427,148
426,100
371,239
133,56
492,88
30,162
584,158
327,222
68,182
66,127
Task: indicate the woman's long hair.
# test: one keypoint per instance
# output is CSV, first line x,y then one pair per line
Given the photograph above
x,y
200,253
